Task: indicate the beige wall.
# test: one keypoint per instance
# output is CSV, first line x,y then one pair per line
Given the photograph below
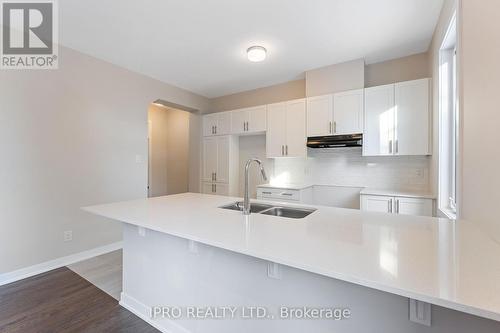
x,y
158,123
267,95
335,78
169,151
479,48
445,17
70,138
413,67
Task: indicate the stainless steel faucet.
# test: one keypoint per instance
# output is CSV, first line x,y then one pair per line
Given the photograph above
x,y
246,199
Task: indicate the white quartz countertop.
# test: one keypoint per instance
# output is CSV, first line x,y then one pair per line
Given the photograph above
x,y
454,265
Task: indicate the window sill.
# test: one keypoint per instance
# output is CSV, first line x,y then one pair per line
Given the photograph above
x,y
448,213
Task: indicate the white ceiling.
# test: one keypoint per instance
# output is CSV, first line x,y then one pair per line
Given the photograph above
x,y
200,45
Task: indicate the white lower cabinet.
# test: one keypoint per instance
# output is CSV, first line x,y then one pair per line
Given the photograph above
x,y
220,165
397,205
285,195
216,188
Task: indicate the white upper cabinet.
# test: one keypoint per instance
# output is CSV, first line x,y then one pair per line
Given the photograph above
x,y
348,112
249,121
257,119
296,139
337,114
412,118
379,121
239,120
276,130
397,119
217,123
320,115
286,129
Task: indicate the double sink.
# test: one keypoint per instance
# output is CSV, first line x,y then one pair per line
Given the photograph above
x,y
273,210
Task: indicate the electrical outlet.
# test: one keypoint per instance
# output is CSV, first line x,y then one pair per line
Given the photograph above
x,y
138,159
68,235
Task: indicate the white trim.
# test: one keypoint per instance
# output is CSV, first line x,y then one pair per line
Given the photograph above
x,y
43,267
143,311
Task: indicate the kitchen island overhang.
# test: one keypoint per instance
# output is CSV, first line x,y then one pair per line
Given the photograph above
x,y
450,264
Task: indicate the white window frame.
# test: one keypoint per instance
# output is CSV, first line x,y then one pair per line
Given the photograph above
x,y
449,124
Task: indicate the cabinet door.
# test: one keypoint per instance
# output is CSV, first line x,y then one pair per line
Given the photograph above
x,y
209,123
295,145
376,203
222,173
208,188
222,189
348,110
413,206
238,121
412,118
320,115
378,137
257,119
223,123
209,158
276,130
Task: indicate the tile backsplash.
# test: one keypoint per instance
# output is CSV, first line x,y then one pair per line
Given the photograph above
x,y
348,167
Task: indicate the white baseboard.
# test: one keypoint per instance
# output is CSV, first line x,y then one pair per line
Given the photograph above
x,y
43,267
143,311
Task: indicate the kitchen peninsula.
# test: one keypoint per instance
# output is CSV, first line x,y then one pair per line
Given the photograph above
x,y
185,250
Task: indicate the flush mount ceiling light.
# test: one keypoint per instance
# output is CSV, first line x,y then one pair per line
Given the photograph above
x,y
256,53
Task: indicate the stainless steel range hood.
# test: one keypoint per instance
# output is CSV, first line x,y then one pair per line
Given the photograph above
x,y
335,141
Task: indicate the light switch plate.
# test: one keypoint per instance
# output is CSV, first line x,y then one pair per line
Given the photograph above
x,y
420,312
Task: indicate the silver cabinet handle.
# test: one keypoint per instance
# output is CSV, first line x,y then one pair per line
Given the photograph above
x,y
267,192
397,206
215,129
287,194
244,126
215,176
212,130
286,150
390,146
334,127
215,187
331,127
390,206
282,150
397,146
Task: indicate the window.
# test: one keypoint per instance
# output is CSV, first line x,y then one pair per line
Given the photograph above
x,y
448,124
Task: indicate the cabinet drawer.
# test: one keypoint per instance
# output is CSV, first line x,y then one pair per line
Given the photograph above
x,y
278,194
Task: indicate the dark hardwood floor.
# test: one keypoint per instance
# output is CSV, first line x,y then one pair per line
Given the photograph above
x,y
62,301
